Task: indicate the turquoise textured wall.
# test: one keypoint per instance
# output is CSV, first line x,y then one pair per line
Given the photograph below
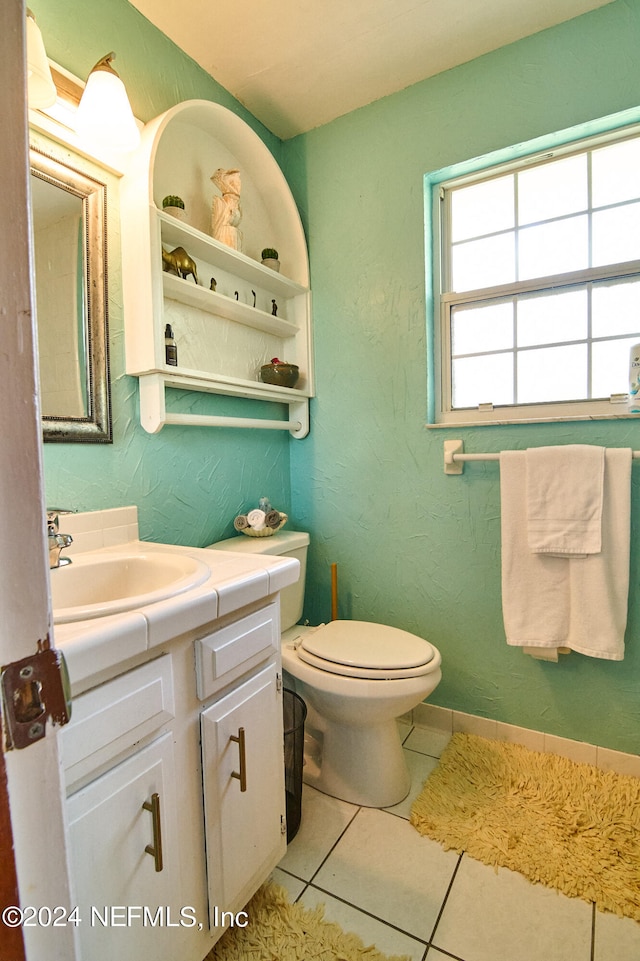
x,y
415,548
188,483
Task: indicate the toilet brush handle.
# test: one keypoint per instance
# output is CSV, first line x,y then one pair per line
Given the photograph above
x,y
334,592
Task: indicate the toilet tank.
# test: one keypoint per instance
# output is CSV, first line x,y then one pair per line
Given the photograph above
x,y
289,543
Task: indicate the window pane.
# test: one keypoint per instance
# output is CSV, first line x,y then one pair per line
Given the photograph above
x,y
615,173
610,367
616,309
478,329
483,263
538,311
552,373
551,318
552,190
553,248
616,235
482,208
482,380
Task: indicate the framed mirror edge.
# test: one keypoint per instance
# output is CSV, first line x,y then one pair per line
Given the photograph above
x,y
96,427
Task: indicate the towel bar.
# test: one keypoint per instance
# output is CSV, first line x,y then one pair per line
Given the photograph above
x,y
454,456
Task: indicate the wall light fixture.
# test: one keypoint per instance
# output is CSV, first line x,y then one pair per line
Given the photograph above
x,y
104,118
41,90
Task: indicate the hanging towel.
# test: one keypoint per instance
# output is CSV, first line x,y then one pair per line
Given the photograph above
x,y
546,653
564,499
575,602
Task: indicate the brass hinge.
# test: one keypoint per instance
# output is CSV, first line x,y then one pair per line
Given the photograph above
x,y
35,689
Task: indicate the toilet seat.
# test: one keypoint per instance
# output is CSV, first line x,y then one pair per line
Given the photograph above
x,y
366,650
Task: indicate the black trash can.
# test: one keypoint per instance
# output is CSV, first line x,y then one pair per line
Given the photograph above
x,y
295,712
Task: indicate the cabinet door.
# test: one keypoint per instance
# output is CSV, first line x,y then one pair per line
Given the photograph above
x,y
243,769
115,877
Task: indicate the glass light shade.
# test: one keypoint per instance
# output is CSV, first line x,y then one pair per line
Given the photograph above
x,y
104,118
41,89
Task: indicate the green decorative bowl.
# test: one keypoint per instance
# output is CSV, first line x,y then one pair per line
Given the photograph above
x,y
280,375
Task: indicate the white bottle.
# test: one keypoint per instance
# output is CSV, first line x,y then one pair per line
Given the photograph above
x,y
634,380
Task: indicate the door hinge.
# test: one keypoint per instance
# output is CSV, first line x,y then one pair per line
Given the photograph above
x,y
283,824
278,682
34,689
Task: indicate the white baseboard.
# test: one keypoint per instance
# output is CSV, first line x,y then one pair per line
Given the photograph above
x,y
440,723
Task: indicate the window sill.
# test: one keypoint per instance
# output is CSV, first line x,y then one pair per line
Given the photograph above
x,y
502,421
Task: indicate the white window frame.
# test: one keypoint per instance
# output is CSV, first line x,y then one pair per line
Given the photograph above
x,y
440,299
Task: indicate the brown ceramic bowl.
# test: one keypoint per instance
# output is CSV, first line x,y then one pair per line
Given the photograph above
x,y
280,375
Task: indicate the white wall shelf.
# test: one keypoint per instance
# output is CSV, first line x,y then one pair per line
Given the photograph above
x,y
254,314
186,292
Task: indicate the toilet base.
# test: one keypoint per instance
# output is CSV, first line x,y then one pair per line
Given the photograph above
x,y
361,765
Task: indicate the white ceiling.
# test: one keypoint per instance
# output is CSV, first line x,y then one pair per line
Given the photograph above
x,y
297,64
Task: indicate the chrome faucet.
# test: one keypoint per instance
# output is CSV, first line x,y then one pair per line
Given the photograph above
x,y
57,541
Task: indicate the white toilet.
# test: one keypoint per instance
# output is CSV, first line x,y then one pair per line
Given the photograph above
x,y
356,678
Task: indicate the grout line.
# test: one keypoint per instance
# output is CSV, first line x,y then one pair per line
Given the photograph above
x,y
408,734
296,877
356,907
446,897
593,933
413,750
442,951
395,814
334,845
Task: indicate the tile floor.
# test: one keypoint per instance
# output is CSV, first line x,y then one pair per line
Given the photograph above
x,y
402,892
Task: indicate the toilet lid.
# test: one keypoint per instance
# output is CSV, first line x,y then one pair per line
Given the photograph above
x,y
363,649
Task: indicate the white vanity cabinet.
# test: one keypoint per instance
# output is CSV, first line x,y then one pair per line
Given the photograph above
x,y
224,335
175,779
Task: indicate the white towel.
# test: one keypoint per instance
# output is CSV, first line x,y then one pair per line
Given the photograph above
x,y
564,499
256,519
575,602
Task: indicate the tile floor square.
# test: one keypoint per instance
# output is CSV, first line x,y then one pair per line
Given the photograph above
x,y
383,866
616,939
500,916
324,819
387,939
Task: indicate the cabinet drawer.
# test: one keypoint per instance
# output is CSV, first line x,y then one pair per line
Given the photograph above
x,y
111,718
225,654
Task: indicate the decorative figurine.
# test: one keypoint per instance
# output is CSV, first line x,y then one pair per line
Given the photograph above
x,y
179,261
226,212
274,308
213,284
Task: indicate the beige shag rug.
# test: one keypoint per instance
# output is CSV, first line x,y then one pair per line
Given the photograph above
x,y
281,931
566,825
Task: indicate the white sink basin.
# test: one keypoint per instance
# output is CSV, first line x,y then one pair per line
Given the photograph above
x,y
98,585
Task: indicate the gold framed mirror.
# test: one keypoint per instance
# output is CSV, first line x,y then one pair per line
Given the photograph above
x,y
70,282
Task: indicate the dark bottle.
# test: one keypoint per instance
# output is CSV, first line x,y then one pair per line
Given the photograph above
x,y
170,348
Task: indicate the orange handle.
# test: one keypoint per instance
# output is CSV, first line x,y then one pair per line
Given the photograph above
x,y
334,592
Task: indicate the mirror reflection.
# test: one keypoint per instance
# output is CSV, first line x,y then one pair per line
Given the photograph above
x,y
69,236
57,233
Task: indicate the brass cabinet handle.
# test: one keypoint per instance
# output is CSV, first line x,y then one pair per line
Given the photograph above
x,y
155,849
242,774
